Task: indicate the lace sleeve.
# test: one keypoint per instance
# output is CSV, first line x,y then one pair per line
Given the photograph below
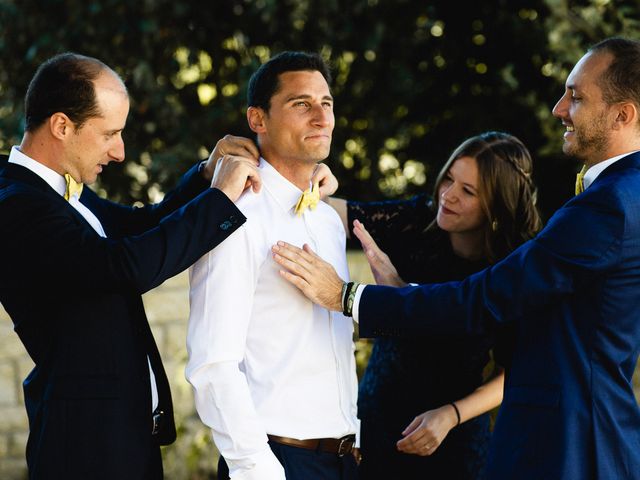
x,y
388,220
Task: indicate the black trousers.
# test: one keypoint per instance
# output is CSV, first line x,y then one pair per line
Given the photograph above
x,y
461,456
154,469
303,464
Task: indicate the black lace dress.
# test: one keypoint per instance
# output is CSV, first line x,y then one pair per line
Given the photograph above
x,y
408,376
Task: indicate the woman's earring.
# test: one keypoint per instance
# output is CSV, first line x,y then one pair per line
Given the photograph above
x,y
494,225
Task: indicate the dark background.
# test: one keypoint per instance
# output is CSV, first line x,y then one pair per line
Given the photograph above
x,y
412,78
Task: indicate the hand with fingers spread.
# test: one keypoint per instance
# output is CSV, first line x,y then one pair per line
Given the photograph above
x,y
383,270
426,432
230,145
326,179
316,278
234,174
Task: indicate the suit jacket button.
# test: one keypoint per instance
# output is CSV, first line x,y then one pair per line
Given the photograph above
x,y
226,225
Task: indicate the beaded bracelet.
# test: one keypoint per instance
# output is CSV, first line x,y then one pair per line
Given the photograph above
x,y
343,295
349,298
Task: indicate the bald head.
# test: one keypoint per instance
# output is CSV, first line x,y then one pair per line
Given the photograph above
x,y
66,83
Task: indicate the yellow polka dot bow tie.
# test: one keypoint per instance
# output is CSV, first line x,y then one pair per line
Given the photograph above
x,y
309,198
580,180
73,188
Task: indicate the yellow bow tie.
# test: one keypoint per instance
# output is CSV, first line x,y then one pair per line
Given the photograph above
x,y
580,180
73,188
309,198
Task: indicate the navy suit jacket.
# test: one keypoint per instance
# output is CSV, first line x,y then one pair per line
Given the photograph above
x,y
573,294
75,301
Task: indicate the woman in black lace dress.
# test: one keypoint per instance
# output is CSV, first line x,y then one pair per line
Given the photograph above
x,y
423,402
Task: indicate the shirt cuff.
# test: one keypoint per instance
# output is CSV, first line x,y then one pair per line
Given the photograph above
x,y
265,467
356,302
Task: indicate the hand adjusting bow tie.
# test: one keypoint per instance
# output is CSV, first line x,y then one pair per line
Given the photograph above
x,y
309,198
73,188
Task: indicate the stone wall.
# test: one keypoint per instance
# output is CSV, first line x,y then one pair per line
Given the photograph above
x,y
14,366
193,456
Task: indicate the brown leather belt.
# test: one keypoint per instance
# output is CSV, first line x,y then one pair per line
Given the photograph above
x,y
339,446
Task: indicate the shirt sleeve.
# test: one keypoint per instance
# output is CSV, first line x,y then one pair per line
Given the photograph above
x,y
389,220
221,298
356,302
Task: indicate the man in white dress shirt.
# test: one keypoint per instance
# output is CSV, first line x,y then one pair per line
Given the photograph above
x,y
274,374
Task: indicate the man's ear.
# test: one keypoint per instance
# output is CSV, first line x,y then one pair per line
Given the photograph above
x,y
255,118
627,115
60,125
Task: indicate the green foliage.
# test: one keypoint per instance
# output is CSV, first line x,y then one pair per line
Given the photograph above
x,y
412,78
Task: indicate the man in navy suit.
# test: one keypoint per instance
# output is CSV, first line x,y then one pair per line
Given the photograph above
x,y
572,293
74,266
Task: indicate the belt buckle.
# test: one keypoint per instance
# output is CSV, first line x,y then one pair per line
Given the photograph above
x,y
157,420
345,446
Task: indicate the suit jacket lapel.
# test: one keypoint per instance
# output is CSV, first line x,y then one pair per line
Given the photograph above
x,y
18,173
21,174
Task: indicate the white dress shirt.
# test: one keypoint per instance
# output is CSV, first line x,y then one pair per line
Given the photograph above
x,y
58,183
263,359
589,177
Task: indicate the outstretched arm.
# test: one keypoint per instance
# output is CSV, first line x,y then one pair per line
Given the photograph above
x,y
563,258
316,278
426,432
340,206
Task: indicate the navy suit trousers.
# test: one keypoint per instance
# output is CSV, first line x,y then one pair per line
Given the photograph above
x,y
304,464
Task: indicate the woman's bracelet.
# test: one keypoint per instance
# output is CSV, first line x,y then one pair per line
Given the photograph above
x,y
455,407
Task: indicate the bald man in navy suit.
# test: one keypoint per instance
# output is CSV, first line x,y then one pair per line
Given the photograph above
x,y
74,266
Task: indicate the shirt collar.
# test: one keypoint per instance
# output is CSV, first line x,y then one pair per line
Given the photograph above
x,y
598,168
54,179
285,192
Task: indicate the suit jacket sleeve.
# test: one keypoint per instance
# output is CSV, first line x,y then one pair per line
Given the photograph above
x,y
583,240
45,232
122,220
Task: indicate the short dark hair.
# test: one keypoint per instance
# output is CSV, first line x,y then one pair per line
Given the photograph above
x,y
621,81
64,83
265,82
